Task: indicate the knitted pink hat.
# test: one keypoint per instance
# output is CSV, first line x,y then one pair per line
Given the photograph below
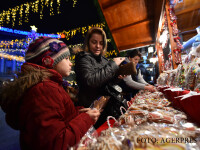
x,y
46,51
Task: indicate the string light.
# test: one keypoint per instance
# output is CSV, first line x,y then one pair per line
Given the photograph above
x,y
3,52
1,18
36,6
21,14
47,3
74,4
76,45
12,57
14,10
27,5
111,53
84,30
13,43
58,7
8,16
51,8
41,10
33,7
71,33
12,50
24,9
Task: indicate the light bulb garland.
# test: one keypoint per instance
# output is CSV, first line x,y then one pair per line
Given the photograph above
x,y
26,12
111,53
71,33
20,45
8,16
14,10
51,8
3,54
41,10
13,44
58,7
47,3
20,14
12,50
23,10
74,4
12,57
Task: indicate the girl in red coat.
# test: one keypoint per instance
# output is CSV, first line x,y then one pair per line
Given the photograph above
x,y
37,104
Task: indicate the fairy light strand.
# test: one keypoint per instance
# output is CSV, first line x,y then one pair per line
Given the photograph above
x,y
36,6
23,10
47,3
58,7
21,14
71,33
74,3
51,8
41,10
27,5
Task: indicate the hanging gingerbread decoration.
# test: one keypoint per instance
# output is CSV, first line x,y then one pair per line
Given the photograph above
x,y
177,57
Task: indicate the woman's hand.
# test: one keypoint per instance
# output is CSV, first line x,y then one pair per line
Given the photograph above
x,y
122,76
150,88
94,114
118,60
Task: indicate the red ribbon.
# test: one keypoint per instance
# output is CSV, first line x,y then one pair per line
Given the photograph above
x,y
177,50
177,38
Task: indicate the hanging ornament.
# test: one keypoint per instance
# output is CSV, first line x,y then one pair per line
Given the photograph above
x,y
179,45
167,67
177,57
170,61
162,67
174,31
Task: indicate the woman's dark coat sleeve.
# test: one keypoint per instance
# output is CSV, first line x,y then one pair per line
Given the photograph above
x,y
93,77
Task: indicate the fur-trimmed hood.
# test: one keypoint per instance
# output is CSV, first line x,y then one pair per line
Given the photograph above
x,y
13,92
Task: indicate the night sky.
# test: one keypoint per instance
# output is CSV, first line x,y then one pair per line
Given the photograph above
x,y
85,13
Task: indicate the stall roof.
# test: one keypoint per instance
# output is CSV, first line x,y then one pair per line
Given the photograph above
x,y
134,23
188,18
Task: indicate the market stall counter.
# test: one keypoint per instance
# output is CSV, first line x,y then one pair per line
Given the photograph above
x,y
184,100
149,123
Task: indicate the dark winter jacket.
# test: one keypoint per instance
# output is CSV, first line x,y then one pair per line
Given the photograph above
x,y
46,116
92,74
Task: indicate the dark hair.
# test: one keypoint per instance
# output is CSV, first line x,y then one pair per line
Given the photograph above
x,y
134,53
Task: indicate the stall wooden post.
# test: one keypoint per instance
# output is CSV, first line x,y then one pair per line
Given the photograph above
x,y
160,56
172,42
158,45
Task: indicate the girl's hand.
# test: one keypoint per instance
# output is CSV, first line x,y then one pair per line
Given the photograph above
x,y
94,114
84,110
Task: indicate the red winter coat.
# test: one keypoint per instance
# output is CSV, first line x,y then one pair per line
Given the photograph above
x,y
48,119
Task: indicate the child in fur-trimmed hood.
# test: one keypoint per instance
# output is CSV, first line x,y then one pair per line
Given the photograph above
x,y
37,104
